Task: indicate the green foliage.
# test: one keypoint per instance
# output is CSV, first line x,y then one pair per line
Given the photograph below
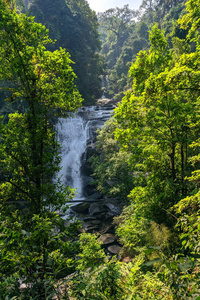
x,y
74,27
34,256
163,120
104,283
112,172
92,255
97,277
122,39
116,280
44,80
36,249
158,123
137,233
27,170
150,150
191,20
181,271
119,51
144,285
132,226
116,22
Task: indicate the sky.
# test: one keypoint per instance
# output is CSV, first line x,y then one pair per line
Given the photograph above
x,y
103,5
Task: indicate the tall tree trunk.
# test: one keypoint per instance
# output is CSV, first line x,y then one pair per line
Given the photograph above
x,y
182,169
173,162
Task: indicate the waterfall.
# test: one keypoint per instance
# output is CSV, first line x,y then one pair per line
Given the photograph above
x,y
74,134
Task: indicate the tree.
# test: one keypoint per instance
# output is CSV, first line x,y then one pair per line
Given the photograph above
x,y
162,7
45,81
159,120
116,21
29,158
112,172
74,26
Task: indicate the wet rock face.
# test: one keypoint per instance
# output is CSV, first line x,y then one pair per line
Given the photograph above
x,y
95,120
114,206
81,207
97,208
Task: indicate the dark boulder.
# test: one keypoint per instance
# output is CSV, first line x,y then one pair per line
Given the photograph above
x,y
81,207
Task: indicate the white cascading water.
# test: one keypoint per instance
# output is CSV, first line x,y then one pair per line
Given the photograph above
x,y
73,133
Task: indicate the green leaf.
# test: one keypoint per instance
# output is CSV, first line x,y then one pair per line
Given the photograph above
x,y
150,263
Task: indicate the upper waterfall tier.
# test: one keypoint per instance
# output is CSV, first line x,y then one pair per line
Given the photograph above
x,y
74,133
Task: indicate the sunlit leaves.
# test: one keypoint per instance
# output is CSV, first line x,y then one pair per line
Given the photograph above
x,y
35,72
160,119
192,19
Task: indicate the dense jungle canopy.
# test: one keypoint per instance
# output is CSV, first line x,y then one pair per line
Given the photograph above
x,y
55,57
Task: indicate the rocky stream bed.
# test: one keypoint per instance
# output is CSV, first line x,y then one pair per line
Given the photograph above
x,y
77,136
97,217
